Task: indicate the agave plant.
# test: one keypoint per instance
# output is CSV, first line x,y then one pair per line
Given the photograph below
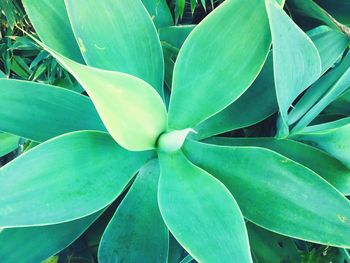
x,y
160,145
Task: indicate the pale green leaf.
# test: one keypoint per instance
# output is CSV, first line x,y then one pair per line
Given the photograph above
x,y
35,244
210,75
120,37
200,212
335,90
332,137
297,63
8,143
66,178
50,20
323,164
320,94
137,231
175,35
132,111
258,102
330,44
40,112
159,12
277,193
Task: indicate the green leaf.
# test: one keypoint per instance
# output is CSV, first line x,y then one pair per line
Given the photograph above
x,y
325,90
332,137
92,170
335,90
134,48
297,63
340,105
269,247
132,111
330,44
200,212
321,163
137,230
35,244
175,35
50,19
179,8
8,143
277,193
159,12
258,102
210,75
40,112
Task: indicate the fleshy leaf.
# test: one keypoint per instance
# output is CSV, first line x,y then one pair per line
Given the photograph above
x,y
333,171
159,12
92,170
8,143
132,111
258,102
210,75
297,63
134,48
332,137
277,193
35,244
335,90
325,90
137,230
40,112
175,35
200,212
330,44
50,19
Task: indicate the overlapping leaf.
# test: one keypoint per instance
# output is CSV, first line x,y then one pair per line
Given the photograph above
x,y
277,193
64,179
297,63
40,112
146,237
134,48
227,64
35,244
200,212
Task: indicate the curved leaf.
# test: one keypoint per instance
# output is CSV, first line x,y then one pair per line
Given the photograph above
x,y
137,125
38,243
64,179
200,212
330,44
8,143
50,18
137,231
332,137
258,102
320,94
40,112
338,87
210,75
134,48
323,164
175,35
297,63
277,193
159,12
